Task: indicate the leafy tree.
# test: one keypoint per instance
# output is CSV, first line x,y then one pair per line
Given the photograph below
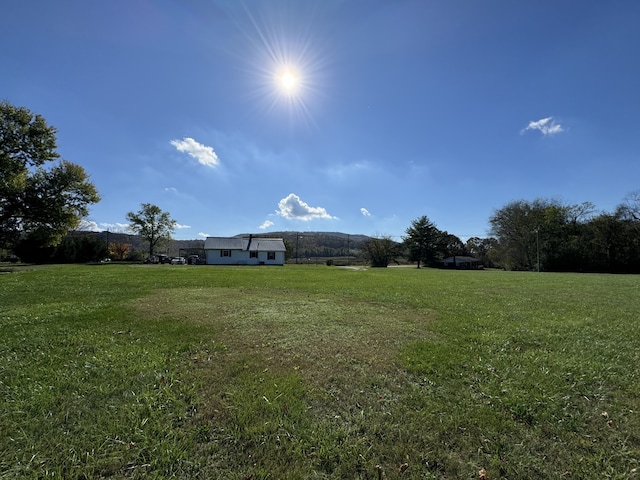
x,y
380,251
613,243
422,240
482,249
449,245
527,232
80,249
119,250
151,223
37,205
568,237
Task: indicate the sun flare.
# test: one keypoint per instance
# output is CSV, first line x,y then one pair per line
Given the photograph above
x,y
288,82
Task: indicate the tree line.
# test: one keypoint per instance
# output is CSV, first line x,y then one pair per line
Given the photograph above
x,y
538,235
547,235
426,245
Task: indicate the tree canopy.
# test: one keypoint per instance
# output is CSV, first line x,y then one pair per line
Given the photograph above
x,y
548,235
380,251
151,223
422,241
38,205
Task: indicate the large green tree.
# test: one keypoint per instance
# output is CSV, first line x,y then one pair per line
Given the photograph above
x,y
41,196
151,223
422,240
380,251
528,233
450,245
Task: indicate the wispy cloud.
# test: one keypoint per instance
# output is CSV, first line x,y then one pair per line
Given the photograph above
x,y
293,208
266,224
203,235
365,212
203,153
346,171
546,126
180,227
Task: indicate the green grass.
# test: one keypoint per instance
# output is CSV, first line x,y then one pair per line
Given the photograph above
x,y
128,371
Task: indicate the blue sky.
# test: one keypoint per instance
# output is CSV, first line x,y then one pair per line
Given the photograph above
x,y
396,109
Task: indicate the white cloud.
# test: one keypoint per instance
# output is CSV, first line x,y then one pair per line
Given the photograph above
x,y
179,227
546,126
204,154
119,227
365,212
266,224
203,235
91,226
292,208
171,189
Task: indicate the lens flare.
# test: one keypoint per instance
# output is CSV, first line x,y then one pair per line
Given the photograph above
x,y
285,62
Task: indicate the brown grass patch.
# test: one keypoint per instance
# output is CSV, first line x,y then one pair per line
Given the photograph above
x,y
317,336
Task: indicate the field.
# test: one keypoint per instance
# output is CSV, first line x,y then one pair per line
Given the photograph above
x,y
316,372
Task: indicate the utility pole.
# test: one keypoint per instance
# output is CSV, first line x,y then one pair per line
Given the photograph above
x,y
297,245
538,247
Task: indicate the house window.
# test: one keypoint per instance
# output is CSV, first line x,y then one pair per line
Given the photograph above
x,y
253,254
271,255
225,253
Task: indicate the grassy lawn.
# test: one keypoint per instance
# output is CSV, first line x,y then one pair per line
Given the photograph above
x,y
317,372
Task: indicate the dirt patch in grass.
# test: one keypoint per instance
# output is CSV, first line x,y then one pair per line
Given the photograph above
x,y
314,335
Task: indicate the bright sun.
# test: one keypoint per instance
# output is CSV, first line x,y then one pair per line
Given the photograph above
x,y
288,81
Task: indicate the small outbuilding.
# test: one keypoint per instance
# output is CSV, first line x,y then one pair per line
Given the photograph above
x,y
244,251
461,262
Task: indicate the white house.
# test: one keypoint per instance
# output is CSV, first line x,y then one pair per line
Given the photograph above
x,y
244,251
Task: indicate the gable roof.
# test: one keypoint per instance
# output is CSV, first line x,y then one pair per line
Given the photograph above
x,y
225,243
253,244
267,245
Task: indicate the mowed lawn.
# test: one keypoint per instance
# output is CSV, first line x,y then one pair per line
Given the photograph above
x,y
315,372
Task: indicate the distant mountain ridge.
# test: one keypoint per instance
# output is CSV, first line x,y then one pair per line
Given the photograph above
x,y
318,244
307,244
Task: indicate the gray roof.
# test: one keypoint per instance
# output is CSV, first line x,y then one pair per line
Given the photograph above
x,y
460,258
225,243
245,243
267,245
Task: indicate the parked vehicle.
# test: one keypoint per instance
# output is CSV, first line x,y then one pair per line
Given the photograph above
x,y
162,258
178,261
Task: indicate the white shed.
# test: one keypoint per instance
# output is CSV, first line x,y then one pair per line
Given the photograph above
x,y
244,251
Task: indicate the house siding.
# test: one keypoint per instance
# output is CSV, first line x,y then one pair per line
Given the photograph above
x,y
240,257
241,250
